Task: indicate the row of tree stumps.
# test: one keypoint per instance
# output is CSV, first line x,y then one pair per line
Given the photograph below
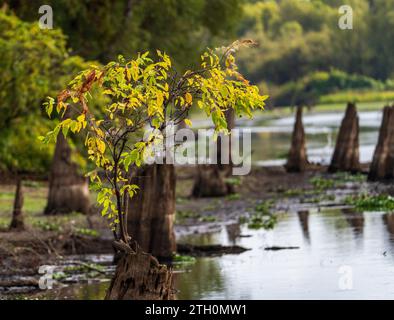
x,y
346,153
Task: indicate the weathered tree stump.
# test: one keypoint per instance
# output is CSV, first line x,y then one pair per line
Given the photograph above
x,y
68,190
297,159
139,276
17,214
151,211
210,182
346,153
382,166
210,179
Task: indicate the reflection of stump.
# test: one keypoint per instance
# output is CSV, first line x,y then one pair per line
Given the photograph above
x,y
297,160
383,159
151,211
138,276
388,219
17,214
303,216
68,191
346,153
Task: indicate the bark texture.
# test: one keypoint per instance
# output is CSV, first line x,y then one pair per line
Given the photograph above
x,y
210,179
139,276
151,211
210,182
68,191
346,153
17,214
382,166
297,159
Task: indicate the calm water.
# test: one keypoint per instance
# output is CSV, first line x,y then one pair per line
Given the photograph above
x,y
329,240
271,139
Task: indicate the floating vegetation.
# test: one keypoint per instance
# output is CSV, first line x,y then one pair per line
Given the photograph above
x,y
47,226
233,196
262,218
86,232
182,261
319,198
181,200
293,192
235,181
343,177
365,202
186,214
321,183
207,219
84,267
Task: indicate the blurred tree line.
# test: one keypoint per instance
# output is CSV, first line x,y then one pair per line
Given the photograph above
x,y
38,63
300,41
302,56
103,29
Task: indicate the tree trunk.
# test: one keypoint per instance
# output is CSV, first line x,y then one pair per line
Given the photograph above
x,y
297,160
210,179
346,153
210,182
383,159
68,191
17,214
139,276
151,211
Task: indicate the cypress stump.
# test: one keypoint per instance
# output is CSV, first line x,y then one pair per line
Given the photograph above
x,y
383,159
17,213
346,153
139,276
151,211
210,180
68,190
297,159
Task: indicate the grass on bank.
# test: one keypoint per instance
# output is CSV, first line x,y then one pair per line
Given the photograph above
x,y
35,199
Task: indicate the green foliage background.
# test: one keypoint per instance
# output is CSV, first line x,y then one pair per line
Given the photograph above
x,y
303,57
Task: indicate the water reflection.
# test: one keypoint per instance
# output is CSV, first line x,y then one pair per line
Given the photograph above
x,y
388,219
334,238
205,280
271,139
355,220
303,216
233,232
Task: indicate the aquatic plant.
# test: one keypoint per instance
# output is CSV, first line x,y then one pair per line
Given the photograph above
x,y
365,202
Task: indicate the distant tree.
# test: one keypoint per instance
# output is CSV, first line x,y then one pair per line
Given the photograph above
x,y
34,64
